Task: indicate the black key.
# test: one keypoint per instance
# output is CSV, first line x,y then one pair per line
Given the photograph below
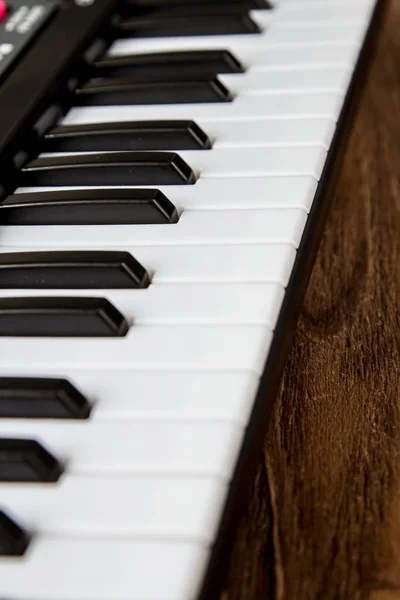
x,y
195,8
162,65
128,91
107,169
129,135
13,539
170,4
164,26
28,398
83,269
27,461
60,317
88,207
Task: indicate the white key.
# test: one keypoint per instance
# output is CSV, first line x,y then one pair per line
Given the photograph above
x,y
305,58
315,3
160,396
194,227
301,14
282,132
251,162
321,32
241,192
190,348
264,134
247,108
142,507
252,50
254,82
104,569
206,264
311,3
135,448
183,304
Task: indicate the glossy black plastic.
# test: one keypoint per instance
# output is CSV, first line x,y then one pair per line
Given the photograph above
x,y
42,74
127,135
117,206
126,91
40,398
60,317
162,65
195,8
13,539
27,461
77,269
108,169
164,26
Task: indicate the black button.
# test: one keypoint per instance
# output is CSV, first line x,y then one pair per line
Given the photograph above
x,y
162,65
83,269
115,168
60,317
128,91
27,461
29,398
131,135
164,26
88,207
13,539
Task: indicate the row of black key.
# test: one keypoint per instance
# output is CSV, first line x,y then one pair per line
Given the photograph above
x,y
112,80
193,8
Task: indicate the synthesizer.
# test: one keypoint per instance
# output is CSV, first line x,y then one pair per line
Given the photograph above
x,y
166,168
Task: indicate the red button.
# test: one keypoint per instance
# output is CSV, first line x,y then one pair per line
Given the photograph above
x,y
3,10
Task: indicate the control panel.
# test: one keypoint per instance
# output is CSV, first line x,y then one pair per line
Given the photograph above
x,y
20,23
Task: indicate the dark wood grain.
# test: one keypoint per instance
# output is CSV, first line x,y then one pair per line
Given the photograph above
x,y
324,519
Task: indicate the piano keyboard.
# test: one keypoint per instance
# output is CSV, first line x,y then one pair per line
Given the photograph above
x,y
157,231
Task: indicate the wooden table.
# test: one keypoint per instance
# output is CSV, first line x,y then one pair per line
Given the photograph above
x,y
324,521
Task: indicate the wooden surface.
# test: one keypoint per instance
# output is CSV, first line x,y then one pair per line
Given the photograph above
x,y
324,521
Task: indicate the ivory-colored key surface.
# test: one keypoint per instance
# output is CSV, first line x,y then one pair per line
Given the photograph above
x,y
161,395
194,228
141,506
219,304
208,264
187,347
237,193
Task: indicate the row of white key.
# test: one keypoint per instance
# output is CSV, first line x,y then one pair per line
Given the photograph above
x,y
131,520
